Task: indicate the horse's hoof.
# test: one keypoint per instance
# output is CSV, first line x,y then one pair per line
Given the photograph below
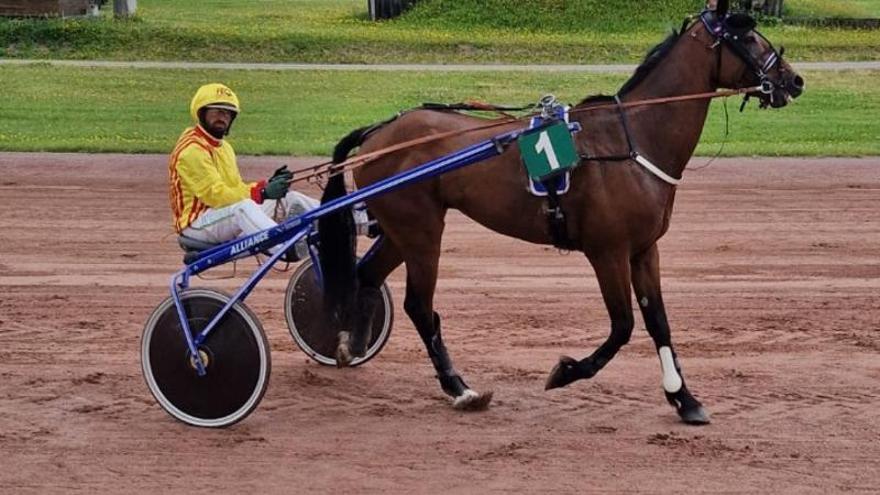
x,y
562,374
343,351
357,345
343,358
694,416
472,401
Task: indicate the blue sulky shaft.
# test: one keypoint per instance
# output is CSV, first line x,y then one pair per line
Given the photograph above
x,y
294,229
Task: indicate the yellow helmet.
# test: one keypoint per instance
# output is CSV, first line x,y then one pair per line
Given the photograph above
x,y
214,95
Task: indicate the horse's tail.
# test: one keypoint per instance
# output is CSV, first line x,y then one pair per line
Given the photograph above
x,y
348,143
336,233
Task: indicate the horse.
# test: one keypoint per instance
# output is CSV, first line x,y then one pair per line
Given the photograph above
x,y
617,209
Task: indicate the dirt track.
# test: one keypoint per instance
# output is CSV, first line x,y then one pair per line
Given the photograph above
x,y
771,268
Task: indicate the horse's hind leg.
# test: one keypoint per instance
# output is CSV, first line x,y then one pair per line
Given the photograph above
x,y
646,281
422,255
418,305
377,264
612,272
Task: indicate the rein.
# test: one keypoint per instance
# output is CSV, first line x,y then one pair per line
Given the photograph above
x,y
329,169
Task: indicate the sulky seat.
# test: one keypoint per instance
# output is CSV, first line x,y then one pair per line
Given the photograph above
x,y
192,248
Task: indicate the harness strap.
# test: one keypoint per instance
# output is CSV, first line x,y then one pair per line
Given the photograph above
x,y
608,158
475,105
650,167
625,124
324,168
638,158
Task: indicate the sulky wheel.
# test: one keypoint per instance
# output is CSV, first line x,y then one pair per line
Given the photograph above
x,y
303,308
236,353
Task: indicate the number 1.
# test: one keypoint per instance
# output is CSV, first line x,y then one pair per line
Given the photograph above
x,y
546,146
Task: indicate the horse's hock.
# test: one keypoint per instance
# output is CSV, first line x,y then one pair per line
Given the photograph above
x,y
49,8
387,9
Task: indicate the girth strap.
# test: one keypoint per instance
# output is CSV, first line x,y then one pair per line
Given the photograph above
x,y
556,217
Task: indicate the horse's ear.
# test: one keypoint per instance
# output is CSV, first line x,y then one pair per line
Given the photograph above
x,y
721,7
739,24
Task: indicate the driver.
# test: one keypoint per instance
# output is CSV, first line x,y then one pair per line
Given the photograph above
x,y
209,200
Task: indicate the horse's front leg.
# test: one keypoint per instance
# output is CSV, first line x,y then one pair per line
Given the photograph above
x,y
613,273
646,282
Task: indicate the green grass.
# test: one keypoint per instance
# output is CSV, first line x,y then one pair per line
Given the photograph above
x,y
857,9
305,113
541,16
435,31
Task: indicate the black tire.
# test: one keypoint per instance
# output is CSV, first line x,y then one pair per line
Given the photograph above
x,y
382,10
304,311
237,353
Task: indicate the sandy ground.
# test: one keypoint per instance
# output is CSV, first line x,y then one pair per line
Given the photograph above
x,y
772,283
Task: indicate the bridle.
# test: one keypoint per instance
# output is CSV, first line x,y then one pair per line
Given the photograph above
x,y
724,32
732,36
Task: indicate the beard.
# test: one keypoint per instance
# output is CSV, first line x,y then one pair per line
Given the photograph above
x,y
218,129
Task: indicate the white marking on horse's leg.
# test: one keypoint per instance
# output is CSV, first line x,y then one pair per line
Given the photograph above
x,y
472,401
343,349
671,378
466,396
344,339
643,302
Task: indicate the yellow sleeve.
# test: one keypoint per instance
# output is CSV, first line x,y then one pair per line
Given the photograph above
x,y
236,175
199,174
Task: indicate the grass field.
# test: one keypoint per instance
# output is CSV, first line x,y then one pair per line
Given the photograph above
x,y
305,113
435,31
858,9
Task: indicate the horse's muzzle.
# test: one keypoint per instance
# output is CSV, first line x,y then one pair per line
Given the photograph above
x,y
795,85
777,94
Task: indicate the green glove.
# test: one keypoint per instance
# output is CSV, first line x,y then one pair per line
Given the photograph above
x,y
282,171
277,186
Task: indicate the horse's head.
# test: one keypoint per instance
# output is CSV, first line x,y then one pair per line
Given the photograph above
x,y
748,59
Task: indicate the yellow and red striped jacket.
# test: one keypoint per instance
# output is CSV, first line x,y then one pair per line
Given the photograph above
x,y
203,174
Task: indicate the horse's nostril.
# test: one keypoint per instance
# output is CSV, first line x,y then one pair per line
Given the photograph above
x,y
798,82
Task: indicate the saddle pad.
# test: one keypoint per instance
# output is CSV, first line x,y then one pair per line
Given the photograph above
x,y
562,181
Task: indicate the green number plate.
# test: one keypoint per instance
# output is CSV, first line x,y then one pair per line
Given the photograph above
x,y
547,150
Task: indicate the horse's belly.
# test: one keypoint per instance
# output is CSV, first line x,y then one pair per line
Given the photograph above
x,y
498,201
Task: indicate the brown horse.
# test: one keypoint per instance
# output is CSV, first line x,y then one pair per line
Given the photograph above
x,y
616,210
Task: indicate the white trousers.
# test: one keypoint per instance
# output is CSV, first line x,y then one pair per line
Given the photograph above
x,y
217,225
246,217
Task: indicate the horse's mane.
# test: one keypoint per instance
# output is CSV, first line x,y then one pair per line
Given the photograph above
x,y
652,59
596,99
